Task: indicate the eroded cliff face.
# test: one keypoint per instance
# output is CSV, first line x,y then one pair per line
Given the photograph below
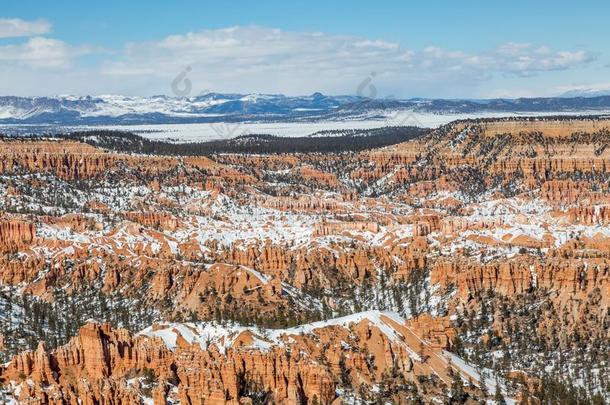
x,y
447,230
507,153
15,234
216,364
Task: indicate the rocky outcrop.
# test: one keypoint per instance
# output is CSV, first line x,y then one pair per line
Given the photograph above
x,y
599,215
309,174
301,204
564,191
297,368
72,160
15,234
157,220
332,228
535,153
568,277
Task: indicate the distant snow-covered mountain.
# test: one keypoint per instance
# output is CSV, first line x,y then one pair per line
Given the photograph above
x,y
217,107
586,92
113,109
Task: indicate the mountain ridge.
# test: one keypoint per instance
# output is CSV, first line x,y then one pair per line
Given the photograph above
x,y
219,107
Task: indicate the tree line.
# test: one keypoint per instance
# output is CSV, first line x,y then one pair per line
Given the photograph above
x,y
347,141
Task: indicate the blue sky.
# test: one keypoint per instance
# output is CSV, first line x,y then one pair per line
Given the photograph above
x,y
439,48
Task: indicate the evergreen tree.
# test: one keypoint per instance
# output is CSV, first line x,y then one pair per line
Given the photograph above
x,y
498,397
457,388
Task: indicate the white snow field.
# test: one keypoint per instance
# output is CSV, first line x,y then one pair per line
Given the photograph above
x,y
227,130
201,132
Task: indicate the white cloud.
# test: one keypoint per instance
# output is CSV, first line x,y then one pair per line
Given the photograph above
x,y
40,52
269,60
511,58
272,60
15,27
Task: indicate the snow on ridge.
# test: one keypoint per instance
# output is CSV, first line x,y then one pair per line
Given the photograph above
x,y
373,316
207,333
202,333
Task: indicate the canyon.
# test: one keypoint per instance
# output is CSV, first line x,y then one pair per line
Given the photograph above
x,y
469,263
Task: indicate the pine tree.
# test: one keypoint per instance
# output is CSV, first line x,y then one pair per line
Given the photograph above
x,y
483,383
457,388
498,397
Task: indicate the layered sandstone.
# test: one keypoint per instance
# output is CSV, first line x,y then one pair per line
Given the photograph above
x,y
473,212
298,368
15,234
